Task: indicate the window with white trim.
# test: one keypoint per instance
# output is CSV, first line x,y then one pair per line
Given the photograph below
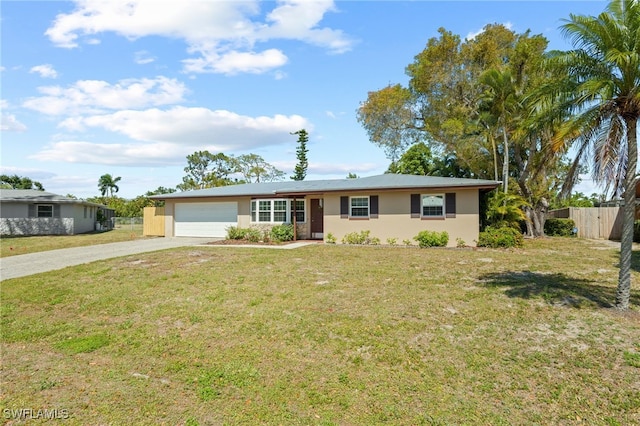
x,y
359,206
44,210
278,210
300,211
433,205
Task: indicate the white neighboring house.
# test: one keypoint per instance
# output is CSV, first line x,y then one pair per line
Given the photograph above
x,y
33,212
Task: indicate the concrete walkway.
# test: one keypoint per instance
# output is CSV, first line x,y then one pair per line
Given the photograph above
x,y
44,261
34,263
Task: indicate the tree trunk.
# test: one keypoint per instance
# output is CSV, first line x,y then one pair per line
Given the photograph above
x,y
505,163
536,217
623,291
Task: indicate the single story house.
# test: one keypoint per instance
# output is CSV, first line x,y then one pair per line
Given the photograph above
x,y
389,206
33,212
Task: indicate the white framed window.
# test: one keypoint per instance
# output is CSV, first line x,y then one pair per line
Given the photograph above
x,y
359,206
278,210
432,205
44,210
300,211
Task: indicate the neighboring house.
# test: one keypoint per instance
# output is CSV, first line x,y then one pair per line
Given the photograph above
x,y
389,206
33,212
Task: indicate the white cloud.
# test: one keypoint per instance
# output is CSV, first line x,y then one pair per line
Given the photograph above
x,y
142,57
94,96
472,35
45,71
222,34
164,137
36,174
236,62
9,122
195,127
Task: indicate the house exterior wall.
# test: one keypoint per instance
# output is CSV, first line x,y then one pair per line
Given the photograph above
x,y
15,220
395,221
244,214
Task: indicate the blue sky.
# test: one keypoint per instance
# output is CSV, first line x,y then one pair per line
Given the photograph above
x,y
132,87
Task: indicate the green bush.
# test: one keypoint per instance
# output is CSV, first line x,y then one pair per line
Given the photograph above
x,y
503,237
235,233
253,235
432,238
330,238
280,233
361,237
559,227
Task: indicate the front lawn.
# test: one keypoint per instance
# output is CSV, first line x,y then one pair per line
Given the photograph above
x,y
328,335
11,246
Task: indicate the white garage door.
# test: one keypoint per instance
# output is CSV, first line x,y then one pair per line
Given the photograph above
x,y
205,219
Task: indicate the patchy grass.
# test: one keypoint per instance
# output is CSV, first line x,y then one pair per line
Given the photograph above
x,y
11,246
328,335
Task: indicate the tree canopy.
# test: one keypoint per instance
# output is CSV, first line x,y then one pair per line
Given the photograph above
x,y
19,182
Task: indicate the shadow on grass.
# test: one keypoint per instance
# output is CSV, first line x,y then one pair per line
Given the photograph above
x,y
556,289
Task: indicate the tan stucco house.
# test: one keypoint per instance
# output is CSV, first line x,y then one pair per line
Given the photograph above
x,y
389,206
33,212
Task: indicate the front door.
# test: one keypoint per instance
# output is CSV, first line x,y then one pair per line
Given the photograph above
x,y
317,218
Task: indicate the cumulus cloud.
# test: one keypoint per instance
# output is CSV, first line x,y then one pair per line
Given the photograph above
x,y
222,35
45,71
165,137
94,96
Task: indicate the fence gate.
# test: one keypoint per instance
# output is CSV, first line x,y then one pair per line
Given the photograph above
x,y
153,224
594,222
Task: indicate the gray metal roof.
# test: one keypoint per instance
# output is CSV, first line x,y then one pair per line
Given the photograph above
x,y
380,182
36,196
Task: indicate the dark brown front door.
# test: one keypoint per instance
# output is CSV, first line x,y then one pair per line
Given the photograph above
x,y
317,218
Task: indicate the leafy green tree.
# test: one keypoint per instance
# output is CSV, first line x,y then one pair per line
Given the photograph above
x,y
352,176
108,184
602,90
19,182
206,170
254,168
300,171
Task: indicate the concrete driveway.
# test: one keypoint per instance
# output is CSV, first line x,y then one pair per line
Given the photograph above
x,y
34,263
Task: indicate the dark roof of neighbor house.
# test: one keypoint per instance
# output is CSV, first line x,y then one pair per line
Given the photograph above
x,y
36,196
380,182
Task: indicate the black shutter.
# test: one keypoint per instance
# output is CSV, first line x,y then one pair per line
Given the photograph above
x,y
32,210
373,206
450,204
415,205
344,207
56,210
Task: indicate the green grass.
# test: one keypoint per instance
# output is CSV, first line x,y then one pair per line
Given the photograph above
x,y
327,335
11,246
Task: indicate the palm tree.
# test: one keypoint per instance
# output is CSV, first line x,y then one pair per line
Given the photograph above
x,y
500,100
108,184
602,90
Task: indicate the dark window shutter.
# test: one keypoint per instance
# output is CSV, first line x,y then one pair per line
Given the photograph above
x,y
415,205
56,210
32,210
344,207
373,206
450,204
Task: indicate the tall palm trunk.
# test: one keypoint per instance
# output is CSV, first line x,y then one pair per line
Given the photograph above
x,y
505,163
623,291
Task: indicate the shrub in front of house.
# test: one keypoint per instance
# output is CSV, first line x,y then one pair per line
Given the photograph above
x,y
281,233
503,237
432,238
361,237
559,227
235,233
254,235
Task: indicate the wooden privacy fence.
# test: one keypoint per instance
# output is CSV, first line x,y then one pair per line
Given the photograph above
x,y
153,222
593,222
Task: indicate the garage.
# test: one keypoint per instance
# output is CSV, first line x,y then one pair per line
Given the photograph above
x,y
205,219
